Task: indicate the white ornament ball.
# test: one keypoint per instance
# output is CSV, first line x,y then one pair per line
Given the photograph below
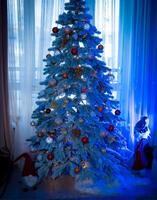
x,y
49,140
86,26
83,96
33,123
58,121
52,82
57,52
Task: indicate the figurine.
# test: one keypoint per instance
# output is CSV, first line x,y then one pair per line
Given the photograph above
x,y
143,151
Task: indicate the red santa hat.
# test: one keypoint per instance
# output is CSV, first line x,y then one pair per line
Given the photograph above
x,y
29,172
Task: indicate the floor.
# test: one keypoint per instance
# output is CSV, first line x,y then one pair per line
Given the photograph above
x,y
63,188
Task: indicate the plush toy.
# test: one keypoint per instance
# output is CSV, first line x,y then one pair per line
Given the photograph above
x,y
29,175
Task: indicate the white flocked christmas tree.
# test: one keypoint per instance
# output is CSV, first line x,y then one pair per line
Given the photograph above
x,y
77,120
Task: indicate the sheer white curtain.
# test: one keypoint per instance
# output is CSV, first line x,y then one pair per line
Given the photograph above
x,y
107,21
136,87
29,28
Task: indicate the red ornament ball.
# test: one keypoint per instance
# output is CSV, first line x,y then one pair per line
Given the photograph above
x,y
84,90
48,110
65,75
85,140
50,156
100,47
55,29
100,108
110,127
117,112
74,51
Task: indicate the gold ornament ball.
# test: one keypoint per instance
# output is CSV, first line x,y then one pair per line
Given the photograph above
x,y
76,132
77,170
54,104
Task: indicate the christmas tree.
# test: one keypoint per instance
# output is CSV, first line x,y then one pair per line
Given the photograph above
x,y
77,120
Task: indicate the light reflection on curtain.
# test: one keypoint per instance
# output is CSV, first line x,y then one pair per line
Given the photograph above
x,y
107,21
133,60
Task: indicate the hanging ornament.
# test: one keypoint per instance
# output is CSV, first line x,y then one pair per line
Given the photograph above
x,y
84,90
76,132
52,83
50,156
110,127
84,164
85,140
94,74
84,36
65,75
75,36
100,47
78,71
64,42
83,96
117,112
53,105
111,139
91,57
103,150
48,55
57,52
81,120
103,134
74,51
65,102
51,134
64,131
67,30
41,134
33,123
55,29
77,170
86,26
48,110
49,140
100,108
58,121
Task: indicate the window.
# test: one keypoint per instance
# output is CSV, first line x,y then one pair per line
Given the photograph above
x,y
29,25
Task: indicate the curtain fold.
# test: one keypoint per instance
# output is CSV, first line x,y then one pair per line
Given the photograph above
x,y
137,60
5,138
